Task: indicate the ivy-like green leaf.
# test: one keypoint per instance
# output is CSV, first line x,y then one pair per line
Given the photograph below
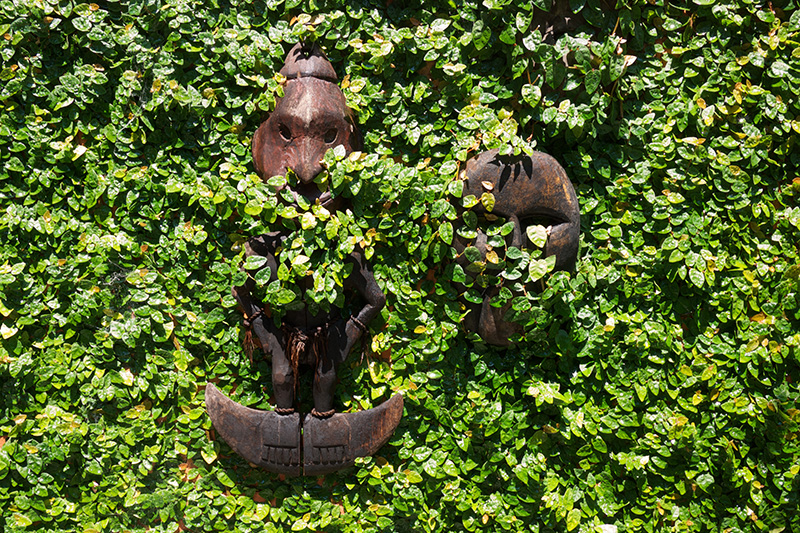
x,y
537,235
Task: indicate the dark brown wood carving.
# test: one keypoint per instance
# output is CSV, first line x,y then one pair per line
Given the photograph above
x,y
310,119
527,189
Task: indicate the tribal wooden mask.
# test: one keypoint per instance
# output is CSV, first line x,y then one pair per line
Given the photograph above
x,y
311,118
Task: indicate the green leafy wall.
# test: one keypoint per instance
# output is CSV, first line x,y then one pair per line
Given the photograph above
x,y
656,386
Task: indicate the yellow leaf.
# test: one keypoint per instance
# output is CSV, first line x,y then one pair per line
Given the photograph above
x,y
773,41
420,329
210,456
127,376
488,200
697,398
20,519
78,151
694,141
737,93
308,220
751,346
7,332
492,257
679,420
573,519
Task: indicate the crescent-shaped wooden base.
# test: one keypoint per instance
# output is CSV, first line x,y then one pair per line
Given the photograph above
x,y
280,444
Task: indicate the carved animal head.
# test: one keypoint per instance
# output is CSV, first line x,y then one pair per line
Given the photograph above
x,y
311,118
527,190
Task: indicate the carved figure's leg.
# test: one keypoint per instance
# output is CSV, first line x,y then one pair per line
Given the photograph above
x,y
283,383
325,374
271,337
282,373
344,334
273,342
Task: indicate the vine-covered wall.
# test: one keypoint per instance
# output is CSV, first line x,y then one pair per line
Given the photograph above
x,y
655,388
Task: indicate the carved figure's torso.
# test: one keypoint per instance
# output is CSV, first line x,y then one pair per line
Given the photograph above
x,y
300,315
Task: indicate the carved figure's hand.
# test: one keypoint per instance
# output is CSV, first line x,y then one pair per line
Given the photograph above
x,y
353,332
257,326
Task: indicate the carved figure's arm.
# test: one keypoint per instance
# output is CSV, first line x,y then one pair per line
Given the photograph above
x,y
252,307
362,280
243,294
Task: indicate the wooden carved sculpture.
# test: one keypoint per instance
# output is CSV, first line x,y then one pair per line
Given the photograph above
x,y
310,118
526,189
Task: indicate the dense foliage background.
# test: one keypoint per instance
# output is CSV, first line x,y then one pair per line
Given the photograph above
x,y
656,387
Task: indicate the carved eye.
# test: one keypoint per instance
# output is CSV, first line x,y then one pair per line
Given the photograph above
x,y
330,135
286,135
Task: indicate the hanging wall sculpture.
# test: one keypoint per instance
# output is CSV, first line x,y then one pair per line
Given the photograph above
x,y
309,119
527,190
